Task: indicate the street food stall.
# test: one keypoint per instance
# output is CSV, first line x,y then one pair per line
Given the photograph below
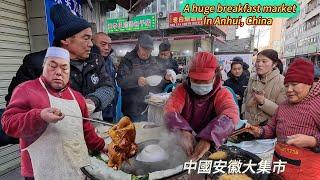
x,y
159,157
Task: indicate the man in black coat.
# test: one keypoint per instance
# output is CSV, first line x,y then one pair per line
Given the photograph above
x,y
88,75
245,66
238,80
87,70
165,57
133,71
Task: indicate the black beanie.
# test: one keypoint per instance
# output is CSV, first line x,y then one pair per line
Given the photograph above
x,y
65,23
164,46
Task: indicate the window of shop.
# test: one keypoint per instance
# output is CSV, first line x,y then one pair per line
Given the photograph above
x,y
313,22
171,6
152,8
163,5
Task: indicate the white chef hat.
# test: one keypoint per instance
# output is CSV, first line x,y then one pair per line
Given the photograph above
x,y
58,52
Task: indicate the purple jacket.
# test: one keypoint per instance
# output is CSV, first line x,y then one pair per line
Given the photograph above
x,y
212,117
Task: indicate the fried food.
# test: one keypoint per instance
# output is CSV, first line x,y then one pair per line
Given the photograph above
x,y
234,177
123,144
219,155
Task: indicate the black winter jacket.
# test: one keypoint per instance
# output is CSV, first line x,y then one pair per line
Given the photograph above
x,y
130,69
30,69
169,64
238,85
89,77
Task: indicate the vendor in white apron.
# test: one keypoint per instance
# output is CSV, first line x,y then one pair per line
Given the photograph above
x,y
45,114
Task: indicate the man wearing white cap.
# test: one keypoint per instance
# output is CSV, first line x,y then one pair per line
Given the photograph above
x,y
54,144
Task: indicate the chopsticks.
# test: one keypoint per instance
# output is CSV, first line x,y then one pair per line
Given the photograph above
x,y
239,131
92,120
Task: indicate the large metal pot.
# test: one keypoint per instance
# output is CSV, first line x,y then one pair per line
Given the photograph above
x,y
136,167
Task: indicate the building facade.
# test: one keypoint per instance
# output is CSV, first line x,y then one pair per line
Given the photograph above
x,y
186,35
302,33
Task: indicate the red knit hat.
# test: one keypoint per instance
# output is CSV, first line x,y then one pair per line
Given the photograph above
x,y
300,71
203,66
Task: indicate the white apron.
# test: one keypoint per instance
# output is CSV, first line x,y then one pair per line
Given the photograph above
x,y
61,150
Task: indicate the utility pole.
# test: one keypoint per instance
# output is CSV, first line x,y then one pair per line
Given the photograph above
x,y
258,38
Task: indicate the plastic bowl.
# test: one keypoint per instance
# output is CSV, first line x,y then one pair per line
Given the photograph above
x,y
154,80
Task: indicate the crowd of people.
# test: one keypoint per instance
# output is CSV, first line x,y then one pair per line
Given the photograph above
x,y
77,78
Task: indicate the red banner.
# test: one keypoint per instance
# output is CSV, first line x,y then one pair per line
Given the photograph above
x,y
177,20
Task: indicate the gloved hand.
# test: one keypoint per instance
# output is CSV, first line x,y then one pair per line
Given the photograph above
x,y
187,141
202,147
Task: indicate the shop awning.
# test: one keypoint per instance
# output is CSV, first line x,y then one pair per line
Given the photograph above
x,y
180,37
134,6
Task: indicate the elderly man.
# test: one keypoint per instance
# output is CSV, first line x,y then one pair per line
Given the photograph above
x,y
201,106
88,75
103,42
296,124
133,71
45,114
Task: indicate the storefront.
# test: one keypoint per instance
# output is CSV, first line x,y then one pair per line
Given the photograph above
x,y
14,45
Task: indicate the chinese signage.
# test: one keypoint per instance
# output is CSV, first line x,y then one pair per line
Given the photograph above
x,y
73,5
177,20
138,23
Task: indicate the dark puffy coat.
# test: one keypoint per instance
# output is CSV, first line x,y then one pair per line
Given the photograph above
x,y
169,64
89,77
130,69
30,69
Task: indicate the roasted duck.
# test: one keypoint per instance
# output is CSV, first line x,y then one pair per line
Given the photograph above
x,y
123,144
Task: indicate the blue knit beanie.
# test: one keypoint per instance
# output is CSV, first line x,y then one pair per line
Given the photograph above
x,y
65,23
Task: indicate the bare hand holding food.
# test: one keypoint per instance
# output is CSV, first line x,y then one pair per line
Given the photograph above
x,y
51,115
142,81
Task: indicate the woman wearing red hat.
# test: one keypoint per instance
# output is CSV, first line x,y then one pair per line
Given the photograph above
x,y
296,124
265,89
201,106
